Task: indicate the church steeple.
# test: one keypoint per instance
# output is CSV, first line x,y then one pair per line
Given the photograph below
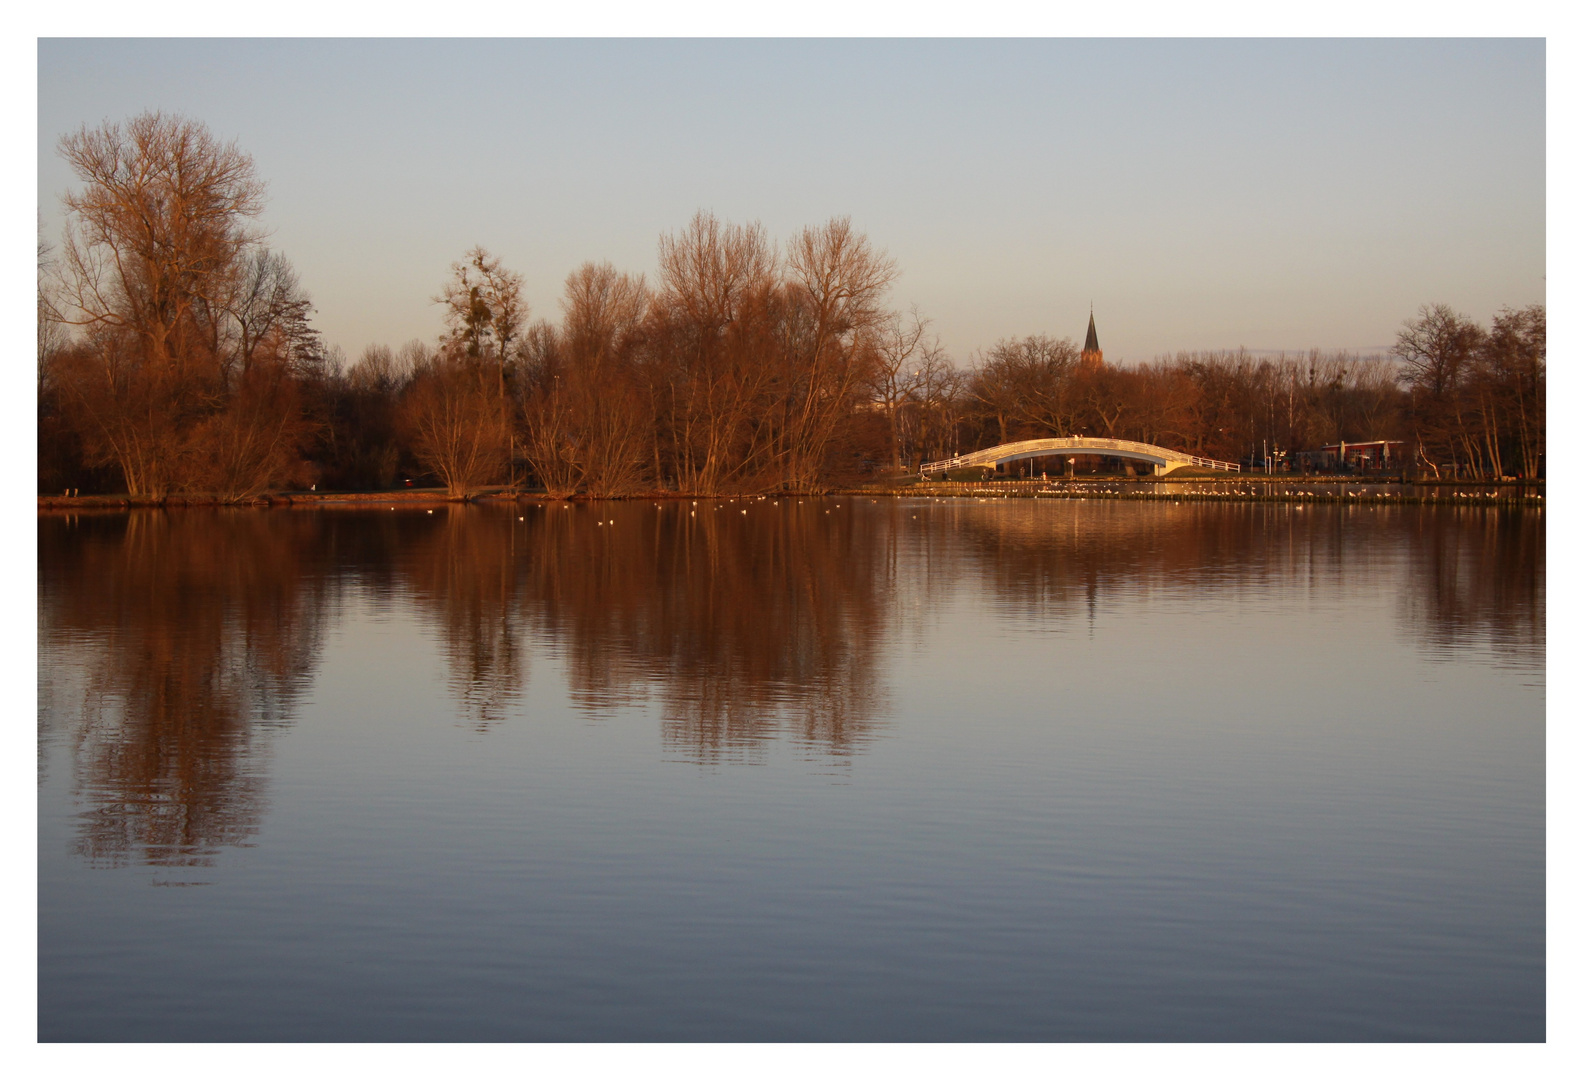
x,y
1092,356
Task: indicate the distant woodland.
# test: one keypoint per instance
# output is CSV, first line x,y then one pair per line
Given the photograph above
x,y
177,355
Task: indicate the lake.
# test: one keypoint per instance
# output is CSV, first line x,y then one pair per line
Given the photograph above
x,y
793,769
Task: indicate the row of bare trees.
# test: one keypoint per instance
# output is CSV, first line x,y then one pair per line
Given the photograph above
x,y
742,370
176,355
1454,394
1476,397
1229,405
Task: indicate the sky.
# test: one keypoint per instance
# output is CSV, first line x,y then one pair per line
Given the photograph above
x,y
1200,194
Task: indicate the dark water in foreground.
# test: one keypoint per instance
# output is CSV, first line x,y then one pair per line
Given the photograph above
x,y
821,769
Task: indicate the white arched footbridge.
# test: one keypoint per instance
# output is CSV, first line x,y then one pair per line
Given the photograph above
x,y
1162,459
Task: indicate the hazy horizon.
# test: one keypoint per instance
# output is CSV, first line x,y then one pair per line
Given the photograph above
x,y
1200,194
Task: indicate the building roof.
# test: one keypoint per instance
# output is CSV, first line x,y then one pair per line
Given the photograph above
x,y
1362,445
1091,344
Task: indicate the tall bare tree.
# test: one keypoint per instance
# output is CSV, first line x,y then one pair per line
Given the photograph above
x,y
1025,385
1512,372
896,376
158,231
484,308
602,333
484,316
163,271
840,279
51,332
1437,351
712,331
453,422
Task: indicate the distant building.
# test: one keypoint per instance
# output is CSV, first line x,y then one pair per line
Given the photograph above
x,y
1372,456
1376,454
1091,357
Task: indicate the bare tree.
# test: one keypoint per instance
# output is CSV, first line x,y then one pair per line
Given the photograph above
x,y
936,410
162,268
589,424
1103,392
1435,347
484,315
158,231
1025,386
895,378
484,308
551,440
1512,372
383,371
1437,350
841,279
360,445
51,331
710,267
269,310
712,330
453,422
602,332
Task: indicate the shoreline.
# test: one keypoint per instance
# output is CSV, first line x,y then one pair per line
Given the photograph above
x,y
1322,489
1285,489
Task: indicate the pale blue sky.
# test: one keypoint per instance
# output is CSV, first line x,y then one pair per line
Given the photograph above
x,y
1203,194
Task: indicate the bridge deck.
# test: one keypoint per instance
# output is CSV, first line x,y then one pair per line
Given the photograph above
x,y
1162,458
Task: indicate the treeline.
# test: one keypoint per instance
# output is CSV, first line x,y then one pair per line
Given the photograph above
x,y
176,355
1462,400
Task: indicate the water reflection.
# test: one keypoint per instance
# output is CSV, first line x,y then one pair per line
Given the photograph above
x,y
748,618
1058,557
197,633
1468,577
462,569
1479,579
745,620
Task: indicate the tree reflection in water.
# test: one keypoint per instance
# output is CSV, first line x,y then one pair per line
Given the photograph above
x,y
1479,579
460,566
744,626
200,630
1468,577
748,617
173,644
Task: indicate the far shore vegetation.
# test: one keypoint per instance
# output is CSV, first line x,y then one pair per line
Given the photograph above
x,y
177,356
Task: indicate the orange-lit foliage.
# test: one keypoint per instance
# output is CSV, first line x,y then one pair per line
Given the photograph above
x,y
745,368
193,332
452,419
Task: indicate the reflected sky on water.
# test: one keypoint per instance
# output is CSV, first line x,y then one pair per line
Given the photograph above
x,y
793,769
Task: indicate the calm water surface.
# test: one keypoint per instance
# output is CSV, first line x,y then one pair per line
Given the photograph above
x,y
808,769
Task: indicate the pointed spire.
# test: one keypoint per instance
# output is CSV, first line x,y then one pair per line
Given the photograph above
x,y
1091,344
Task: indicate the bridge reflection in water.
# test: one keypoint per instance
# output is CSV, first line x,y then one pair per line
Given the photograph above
x,y
1163,459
